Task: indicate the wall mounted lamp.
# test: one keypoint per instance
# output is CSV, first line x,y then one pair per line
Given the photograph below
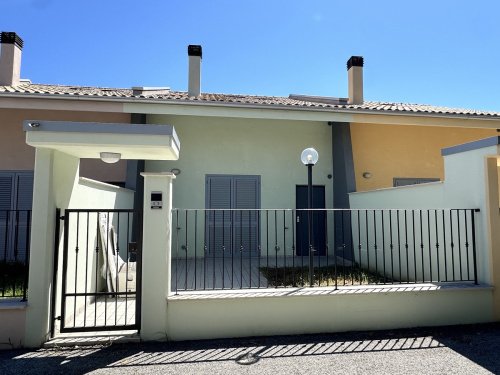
x,y
110,157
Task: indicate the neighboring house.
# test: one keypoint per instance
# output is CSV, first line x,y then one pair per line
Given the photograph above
x,y
16,158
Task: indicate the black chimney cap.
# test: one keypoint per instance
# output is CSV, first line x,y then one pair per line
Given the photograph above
x,y
355,61
194,50
11,38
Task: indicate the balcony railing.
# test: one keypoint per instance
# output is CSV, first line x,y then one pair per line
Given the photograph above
x,y
15,230
272,248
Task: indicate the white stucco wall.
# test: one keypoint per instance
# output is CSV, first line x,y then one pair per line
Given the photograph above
x,y
320,311
464,187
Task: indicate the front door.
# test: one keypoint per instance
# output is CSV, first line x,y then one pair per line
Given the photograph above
x,y
318,239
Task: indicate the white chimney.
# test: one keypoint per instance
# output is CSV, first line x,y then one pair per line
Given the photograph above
x,y
10,59
355,78
194,79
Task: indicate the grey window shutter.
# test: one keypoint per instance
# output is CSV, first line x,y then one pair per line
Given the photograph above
x,y
232,231
246,190
246,198
24,194
219,190
6,203
6,190
24,199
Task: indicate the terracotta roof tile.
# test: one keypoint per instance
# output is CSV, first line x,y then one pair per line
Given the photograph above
x,y
104,92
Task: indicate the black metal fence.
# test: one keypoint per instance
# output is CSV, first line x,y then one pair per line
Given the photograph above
x,y
15,231
101,270
240,249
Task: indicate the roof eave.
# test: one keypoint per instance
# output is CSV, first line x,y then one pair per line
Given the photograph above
x,y
196,103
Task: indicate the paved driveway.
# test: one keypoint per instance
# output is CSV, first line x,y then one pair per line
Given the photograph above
x,y
444,350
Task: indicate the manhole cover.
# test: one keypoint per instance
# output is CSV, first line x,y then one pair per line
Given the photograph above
x,y
247,359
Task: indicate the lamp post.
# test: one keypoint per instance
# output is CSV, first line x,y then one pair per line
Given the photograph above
x,y
309,158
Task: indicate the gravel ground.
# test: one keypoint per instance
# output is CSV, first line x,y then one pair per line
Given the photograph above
x,y
471,349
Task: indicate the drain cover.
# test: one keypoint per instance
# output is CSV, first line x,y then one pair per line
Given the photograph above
x,y
247,359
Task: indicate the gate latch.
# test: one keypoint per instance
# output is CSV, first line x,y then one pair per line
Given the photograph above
x,y
132,247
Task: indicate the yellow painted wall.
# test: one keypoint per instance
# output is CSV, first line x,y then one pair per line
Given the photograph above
x,y
15,154
388,151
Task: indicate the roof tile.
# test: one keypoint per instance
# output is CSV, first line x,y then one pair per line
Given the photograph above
x,y
105,92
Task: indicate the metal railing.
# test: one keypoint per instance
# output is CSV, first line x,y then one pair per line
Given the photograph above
x,y
15,231
270,248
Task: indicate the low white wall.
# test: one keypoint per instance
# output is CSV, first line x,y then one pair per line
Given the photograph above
x,y
13,320
224,316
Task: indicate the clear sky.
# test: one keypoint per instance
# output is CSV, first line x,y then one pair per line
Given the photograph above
x,y
440,52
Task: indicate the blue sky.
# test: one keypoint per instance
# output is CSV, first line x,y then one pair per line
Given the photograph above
x,y
439,52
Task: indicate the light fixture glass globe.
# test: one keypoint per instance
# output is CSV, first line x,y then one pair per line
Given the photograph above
x,y
309,156
110,157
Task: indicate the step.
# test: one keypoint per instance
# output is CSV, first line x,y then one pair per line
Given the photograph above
x,y
69,340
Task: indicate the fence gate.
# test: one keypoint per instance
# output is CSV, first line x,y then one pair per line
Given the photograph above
x,y
100,279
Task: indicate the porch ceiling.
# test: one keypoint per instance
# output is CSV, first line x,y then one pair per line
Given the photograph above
x,y
88,140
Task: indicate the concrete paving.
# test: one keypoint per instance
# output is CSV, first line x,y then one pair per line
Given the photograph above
x,y
471,349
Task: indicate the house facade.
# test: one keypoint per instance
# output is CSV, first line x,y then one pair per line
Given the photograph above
x,y
239,156
362,145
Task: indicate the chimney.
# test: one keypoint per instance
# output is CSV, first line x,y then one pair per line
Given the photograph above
x,y
355,78
10,59
194,83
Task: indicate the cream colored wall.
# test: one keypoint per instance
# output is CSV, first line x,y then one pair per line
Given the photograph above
x,y
156,259
15,154
13,318
270,149
198,318
388,151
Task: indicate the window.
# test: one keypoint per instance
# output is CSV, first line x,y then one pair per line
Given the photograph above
x,y
403,181
16,193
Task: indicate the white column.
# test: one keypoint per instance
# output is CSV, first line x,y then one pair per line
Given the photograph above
x,y
41,251
156,243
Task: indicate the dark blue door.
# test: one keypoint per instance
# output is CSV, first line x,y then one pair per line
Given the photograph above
x,y
318,219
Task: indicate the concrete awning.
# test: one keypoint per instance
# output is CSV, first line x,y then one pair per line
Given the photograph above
x,y
89,139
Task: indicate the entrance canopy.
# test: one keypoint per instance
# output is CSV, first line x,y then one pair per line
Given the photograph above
x,y
88,139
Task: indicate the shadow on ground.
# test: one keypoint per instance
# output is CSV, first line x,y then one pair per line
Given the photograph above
x,y
478,343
